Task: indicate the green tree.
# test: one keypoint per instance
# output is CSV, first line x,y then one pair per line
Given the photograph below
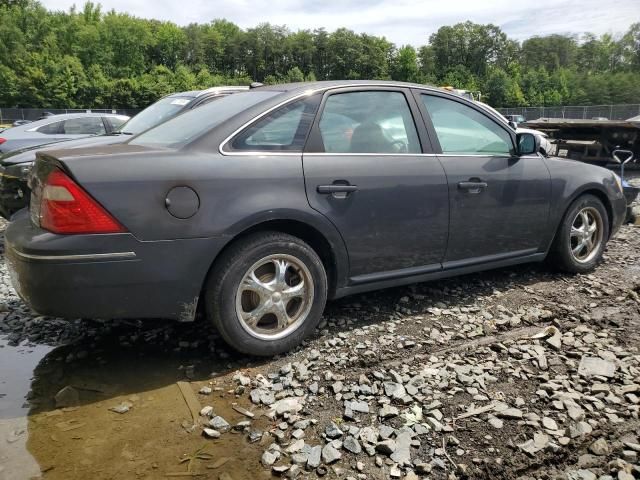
x,y
630,46
476,47
295,75
85,57
404,64
551,52
301,50
169,45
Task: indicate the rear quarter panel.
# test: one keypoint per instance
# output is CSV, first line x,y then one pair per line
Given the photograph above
x,y
133,186
235,192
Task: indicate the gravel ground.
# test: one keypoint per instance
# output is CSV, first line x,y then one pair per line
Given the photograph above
x,y
515,373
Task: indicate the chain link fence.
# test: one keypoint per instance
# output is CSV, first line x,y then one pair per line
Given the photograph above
x,y
10,115
589,112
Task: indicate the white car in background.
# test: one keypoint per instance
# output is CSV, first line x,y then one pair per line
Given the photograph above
x,y
546,147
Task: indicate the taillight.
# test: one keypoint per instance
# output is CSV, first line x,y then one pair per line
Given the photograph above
x,y
66,208
2,140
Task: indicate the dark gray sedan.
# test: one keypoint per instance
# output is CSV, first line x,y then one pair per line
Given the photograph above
x,y
260,206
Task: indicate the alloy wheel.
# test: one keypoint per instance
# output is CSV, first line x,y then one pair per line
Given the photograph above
x,y
274,297
586,234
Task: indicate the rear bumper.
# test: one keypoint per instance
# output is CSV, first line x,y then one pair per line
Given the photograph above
x,y
107,276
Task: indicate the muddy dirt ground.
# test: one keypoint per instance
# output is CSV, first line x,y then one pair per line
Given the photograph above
x,y
515,373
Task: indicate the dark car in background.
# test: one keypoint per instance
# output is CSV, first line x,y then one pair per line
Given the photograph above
x,y
260,206
15,166
56,128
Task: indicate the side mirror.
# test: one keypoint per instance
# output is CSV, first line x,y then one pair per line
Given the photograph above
x,y
528,143
513,124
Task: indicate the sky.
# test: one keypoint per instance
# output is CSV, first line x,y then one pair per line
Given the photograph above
x,y
400,21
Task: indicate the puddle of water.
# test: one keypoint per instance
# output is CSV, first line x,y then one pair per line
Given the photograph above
x,y
16,371
88,440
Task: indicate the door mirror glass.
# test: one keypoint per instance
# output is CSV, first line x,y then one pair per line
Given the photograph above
x,y
528,144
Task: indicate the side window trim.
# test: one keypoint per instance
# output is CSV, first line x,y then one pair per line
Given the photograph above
x,y
433,137
106,123
226,147
315,144
199,101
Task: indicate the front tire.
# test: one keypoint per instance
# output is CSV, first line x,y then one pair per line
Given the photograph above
x,y
581,237
266,293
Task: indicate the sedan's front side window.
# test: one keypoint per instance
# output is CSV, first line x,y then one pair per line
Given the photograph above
x,y
368,122
463,130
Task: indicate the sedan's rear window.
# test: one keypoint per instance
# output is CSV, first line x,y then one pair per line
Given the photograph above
x,y
155,114
180,130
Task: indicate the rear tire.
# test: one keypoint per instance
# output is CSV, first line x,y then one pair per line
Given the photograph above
x,y
581,237
266,293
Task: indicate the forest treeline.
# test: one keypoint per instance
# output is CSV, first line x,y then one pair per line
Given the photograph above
x,y
87,58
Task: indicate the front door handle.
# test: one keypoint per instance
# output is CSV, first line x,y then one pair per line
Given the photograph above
x,y
473,186
336,188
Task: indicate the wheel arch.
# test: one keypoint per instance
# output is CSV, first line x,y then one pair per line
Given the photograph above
x,y
601,195
320,235
594,190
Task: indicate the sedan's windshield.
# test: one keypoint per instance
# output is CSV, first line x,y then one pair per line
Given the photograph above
x,y
154,114
183,128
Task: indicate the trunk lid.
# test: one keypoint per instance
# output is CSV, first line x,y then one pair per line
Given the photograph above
x,y
67,160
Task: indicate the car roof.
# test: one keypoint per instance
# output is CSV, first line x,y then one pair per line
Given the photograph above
x,y
325,84
212,90
294,89
67,116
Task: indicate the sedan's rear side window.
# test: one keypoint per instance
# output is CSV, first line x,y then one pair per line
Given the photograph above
x,y
84,126
285,129
463,130
54,128
368,122
116,122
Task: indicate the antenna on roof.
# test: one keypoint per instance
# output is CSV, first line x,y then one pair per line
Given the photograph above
x,y
256,85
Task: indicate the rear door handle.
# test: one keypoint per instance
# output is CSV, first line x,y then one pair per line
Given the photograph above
x,y
472,186
336,188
